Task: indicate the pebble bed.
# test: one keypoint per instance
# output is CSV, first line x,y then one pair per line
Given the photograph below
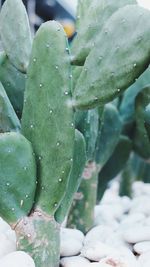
x,y
120,236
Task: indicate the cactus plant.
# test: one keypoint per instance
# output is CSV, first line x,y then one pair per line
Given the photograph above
x,y
47,166
13,82
8,118
20,31
130,58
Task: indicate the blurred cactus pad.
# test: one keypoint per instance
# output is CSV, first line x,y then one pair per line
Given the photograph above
x,y
73,116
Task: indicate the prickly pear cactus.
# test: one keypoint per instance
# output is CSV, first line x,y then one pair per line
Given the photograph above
x,y
114,165
8,118
127,60
90,28
17,177
48,85
142,131
15,33
13,82
110,125
82,212
79,160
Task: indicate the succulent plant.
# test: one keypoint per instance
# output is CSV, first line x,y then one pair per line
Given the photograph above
x,y
44,99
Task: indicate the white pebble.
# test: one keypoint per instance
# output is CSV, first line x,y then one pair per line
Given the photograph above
x,y
137,234
77,261
17,259
98,233
142,247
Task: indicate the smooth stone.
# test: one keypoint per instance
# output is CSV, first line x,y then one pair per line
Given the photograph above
x,y
104,216
144,260
99,233
98,264
73,233
141,204
126,203
7,243
132,219
140,189
136,234
97,250
17,259
123,258
73,237
142,247
4,226
70,247
114,209
77,261
116,240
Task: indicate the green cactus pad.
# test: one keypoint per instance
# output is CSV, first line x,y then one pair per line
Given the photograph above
x,y
142,130
121,54
8,118
13,82
91,17
79,160
87,122
15,33
127,106
114,165
17,177
82,212
109,134
38,235
48,120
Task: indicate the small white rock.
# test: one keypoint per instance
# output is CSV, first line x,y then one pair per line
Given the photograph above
x,y
17,259
142,247
66,233
99,233
144,260
137,234
7,243
70,247
98,264
96,251
77,261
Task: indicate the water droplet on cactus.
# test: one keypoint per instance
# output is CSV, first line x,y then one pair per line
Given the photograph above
x,y
26,196
31,126
50,111
100,58
8,184
55,204
78,17
58,144
67,49
56,67
66,93
63,172
72,124
9,151
25,168
40,157
70,76
41,85
42,187
13,209
134,65
34,60
8,84
21,202
47,45
118,90
60,180
71,159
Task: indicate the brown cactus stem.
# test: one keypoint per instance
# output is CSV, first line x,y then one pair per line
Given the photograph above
x,y
82,212
38,235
